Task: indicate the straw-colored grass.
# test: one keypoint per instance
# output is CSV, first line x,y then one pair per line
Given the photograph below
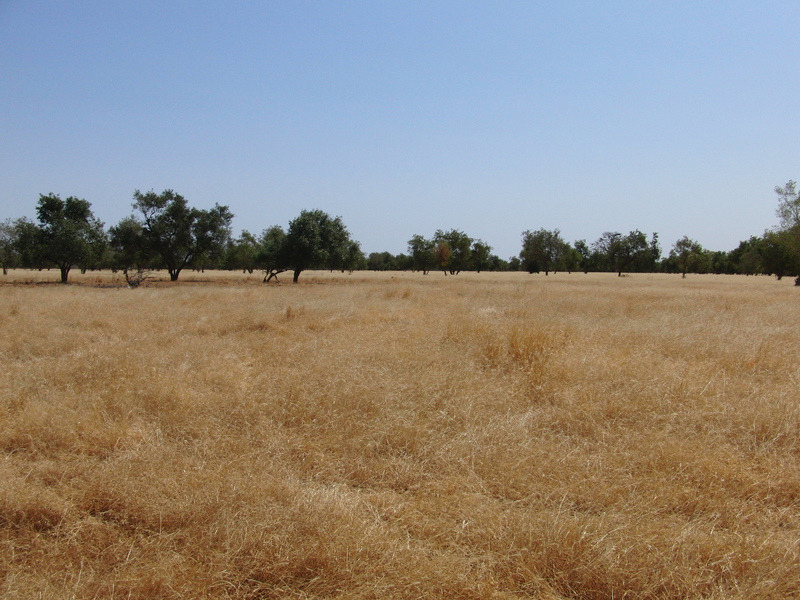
x,y
400,436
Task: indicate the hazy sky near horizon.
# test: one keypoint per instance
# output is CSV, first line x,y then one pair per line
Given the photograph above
x,y
406,117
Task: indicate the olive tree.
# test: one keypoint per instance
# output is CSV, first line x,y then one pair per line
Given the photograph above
x,y
8,246
542,250
788,238
687,255
315,240
180,234
68,233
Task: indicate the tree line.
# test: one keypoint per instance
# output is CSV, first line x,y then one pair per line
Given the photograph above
x,y
164,232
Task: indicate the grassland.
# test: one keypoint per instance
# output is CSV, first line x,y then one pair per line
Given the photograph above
x,y
400,436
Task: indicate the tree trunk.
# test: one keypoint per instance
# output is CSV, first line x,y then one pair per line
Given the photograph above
x,y
173,275
296,275
64,274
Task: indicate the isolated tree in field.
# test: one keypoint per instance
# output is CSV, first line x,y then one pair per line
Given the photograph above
x,y
8,246
271,256
788,205
459,246
779,253
621,252
132,253
481,256
68,232
541,250
316,240
178,233
570,258
241,253
586,259
789,214
687,255
422,253
27,244
354,257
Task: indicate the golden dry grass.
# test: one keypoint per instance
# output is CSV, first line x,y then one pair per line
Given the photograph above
x,y
400,436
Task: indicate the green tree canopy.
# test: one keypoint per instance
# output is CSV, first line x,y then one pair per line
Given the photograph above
x,y
68,233
688,255
315,240
422,251
178,233
541,250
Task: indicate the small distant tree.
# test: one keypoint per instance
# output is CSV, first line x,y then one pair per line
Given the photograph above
x,y
69,233
178,233
131,251
570,258
316,240
779,253
621,252
354,257
788,240
481,256
687,255
8,246
442,254
541,250
585,256
422,252
241,253
271,257
459,246
28,244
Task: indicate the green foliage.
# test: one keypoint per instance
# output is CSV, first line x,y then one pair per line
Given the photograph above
x,y
8,246
68,233
242,252
542,250
788,210
688,256
779,253
422,253
453,250
616,252
481,256
180,234
317,241
131,250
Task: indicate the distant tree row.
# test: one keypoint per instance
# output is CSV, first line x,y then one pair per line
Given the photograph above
x,y
164,232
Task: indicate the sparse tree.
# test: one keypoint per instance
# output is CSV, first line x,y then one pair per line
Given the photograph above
x,y
687,255
131,251
242,253
458,249
317,241
271,253
620,252
789,239
68,232
178,233
422,253
541,250
779,253
481,256
8,246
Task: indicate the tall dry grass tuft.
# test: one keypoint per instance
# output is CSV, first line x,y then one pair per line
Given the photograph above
x,y
400,436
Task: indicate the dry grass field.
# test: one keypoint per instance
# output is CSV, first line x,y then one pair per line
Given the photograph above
x,y
387,436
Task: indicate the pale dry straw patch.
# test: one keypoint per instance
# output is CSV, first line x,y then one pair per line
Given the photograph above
x,y
363,436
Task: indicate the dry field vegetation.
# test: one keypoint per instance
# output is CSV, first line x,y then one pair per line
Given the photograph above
x,y
375,436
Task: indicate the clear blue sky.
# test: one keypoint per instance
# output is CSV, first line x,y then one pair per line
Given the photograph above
x,y
406,117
